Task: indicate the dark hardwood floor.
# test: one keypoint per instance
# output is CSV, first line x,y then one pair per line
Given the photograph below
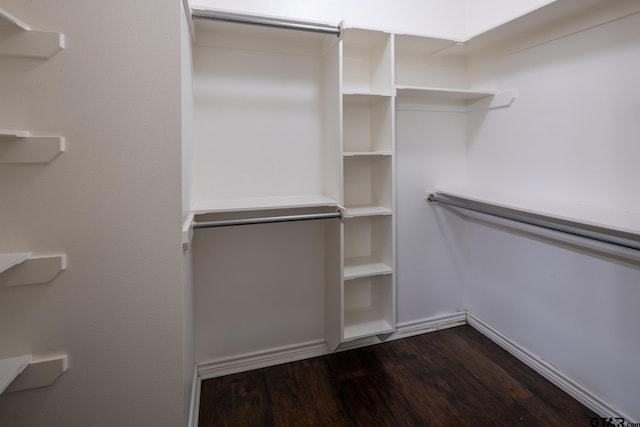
x,y
454,377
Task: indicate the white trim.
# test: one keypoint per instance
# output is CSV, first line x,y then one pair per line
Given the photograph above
x,y
261,359
547,370
432,324
291,353
194,405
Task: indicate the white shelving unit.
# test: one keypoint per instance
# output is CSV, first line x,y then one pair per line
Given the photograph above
x,y
368,281
19,39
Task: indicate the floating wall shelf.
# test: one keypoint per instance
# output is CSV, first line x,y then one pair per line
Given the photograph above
x,y
18,39
19,146
21,269
10,368
9,260
471,100
23,373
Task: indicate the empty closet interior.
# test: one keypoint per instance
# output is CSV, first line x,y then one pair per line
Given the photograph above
x,y
365,125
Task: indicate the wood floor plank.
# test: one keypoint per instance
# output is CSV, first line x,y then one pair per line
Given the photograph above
x,y
249,400
547,400
454,377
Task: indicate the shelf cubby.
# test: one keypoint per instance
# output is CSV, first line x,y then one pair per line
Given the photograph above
x,y
368,182
368,307
367,124
368,246
419,62
367,62
18,39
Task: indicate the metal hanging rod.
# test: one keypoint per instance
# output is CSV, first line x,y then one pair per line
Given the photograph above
x,y
266,22
266,219
575,230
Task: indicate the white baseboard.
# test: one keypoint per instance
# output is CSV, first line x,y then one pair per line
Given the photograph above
x,y
261,359
276,356
548,371
432,324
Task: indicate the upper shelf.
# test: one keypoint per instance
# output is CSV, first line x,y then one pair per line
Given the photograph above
x,y
614,220
262,203
437,94
468,100
18,39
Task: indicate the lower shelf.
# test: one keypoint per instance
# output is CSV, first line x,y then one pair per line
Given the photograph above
x,y
368,307
364,322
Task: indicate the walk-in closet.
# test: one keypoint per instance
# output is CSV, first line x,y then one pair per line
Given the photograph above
x,y
191,189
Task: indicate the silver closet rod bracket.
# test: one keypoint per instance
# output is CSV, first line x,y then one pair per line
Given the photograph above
x,y
266,22
575,230
266,219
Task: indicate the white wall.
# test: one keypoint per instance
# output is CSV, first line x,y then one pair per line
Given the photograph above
x,y
571,136
443,18
111,202
258,287
430,148
482,15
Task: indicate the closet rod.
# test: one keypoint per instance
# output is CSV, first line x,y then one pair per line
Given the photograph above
x,y
266,219
265,22
520,216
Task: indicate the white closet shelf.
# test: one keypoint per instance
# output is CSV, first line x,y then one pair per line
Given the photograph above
x,y
463,100
12,133
19,146
355,268
367,153
37,373
18,269
364,97
262,203
9,260
438,94
353,212
364,322
10,368
18,39
617,220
